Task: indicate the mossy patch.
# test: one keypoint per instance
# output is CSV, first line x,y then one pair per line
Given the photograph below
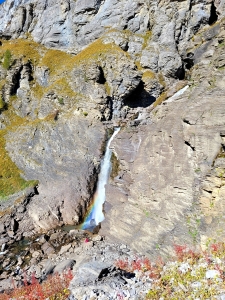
x,y
11,180
24,49
161,80
138,65
2,103
7,59
62,88
148,75
10,176
96,51
147,36
38,91
57,60
160,99
107,88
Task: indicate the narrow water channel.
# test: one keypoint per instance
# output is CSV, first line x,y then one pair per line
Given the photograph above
x,y
96,215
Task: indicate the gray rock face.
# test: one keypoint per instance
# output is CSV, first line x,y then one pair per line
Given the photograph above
x,y
162,164
52,153
75,24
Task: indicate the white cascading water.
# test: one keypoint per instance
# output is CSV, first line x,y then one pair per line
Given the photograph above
x,y
96,214
177,94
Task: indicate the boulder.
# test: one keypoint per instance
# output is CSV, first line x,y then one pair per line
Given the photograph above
x,y
64,265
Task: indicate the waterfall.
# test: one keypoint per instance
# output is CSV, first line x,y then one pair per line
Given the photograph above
x,y
96,215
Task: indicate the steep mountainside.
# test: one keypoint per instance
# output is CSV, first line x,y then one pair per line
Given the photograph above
x,y
70,71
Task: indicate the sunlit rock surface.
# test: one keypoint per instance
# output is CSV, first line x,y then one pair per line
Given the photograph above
x,y
81,67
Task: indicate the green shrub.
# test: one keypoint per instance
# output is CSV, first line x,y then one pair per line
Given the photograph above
x,y
61,101
7,59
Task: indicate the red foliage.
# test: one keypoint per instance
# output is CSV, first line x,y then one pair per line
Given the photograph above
x,y
215,247
55,285
180,251
146,264
136,264
140,264
218,268
122,264
207,257
159,262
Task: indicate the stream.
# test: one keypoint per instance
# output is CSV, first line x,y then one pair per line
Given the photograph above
x,y
96,214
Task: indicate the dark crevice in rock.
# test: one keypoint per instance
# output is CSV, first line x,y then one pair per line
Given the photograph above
x,y
24,14
222,133
207,191
189,61
15,81
187,122
148,26
59,214
126,48
110,105
11,5
36,190
29,69
128,19
213,15
189,145
5,36
31,11
180,73
101,78
139,98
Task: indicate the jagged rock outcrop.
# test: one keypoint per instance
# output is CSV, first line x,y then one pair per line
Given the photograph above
x,y
75,24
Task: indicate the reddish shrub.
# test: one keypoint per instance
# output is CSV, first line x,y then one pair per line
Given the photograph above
x,y
215,247
55,287
136,264
180,251
122,264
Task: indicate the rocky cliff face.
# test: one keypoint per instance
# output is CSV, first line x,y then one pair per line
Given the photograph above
x,y
76,68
